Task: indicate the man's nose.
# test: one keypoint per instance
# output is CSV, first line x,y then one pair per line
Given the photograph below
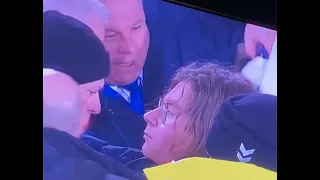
x,y
127,46
95,105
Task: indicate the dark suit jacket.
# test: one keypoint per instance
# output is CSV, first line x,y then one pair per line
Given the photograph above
x,y
178,36
117,123
131,157
66,157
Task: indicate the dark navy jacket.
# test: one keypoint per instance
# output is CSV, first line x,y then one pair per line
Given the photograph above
x,y
131,157
66,157
178,36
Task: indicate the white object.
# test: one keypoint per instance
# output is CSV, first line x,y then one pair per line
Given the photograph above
x,y
47,72
269,81
125,93
243,154
254,70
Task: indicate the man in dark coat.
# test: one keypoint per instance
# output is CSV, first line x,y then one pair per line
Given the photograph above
x,y
64,155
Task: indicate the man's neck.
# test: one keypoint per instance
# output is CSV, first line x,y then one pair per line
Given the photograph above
x,y
115,85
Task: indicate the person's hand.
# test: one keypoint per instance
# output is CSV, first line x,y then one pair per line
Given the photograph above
x,y
255,35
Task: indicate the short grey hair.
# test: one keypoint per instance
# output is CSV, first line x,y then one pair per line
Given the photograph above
x,y
82,7
90,12
102,9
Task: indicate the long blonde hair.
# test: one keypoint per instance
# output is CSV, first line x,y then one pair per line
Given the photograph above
x,y
211,85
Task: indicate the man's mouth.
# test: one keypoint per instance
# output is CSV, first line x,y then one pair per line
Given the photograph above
x,y
147,135
126,64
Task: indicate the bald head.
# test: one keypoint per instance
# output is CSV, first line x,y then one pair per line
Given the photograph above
x,y
61,102
90,12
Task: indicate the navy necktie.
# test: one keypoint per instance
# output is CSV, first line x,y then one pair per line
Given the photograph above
x,y
136,97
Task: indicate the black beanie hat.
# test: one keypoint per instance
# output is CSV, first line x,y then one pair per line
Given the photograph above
x,y
71,47
245,130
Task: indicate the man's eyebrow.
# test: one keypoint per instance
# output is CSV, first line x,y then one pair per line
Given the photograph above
x,y
90,90
95,89
110,30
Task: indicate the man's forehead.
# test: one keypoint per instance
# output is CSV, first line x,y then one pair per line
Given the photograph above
x,y
116,3
131,9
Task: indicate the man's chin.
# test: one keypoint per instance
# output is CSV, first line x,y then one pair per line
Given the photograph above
x,y
84,122
121,81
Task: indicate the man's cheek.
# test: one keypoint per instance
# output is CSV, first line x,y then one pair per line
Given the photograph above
x,y
111,48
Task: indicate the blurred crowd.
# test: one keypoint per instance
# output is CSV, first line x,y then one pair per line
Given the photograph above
x,y
151,90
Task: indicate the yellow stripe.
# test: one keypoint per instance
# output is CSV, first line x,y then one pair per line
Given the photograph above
x,y
208,169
